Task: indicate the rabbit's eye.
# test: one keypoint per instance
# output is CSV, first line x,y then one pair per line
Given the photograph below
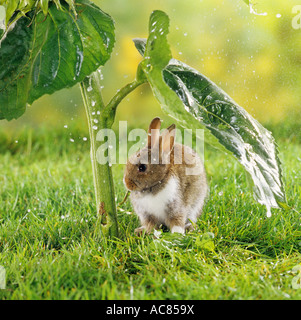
x,y
142,167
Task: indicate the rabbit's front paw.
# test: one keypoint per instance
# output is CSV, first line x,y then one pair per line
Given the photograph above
x,y
178,229
189,227
139,231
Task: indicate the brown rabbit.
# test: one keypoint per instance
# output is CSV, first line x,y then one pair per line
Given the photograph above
x,y
161,191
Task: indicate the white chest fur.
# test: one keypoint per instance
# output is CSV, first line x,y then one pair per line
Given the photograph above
x,y
157,204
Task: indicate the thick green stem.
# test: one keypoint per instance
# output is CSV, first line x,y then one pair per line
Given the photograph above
x,y
120,95
102,117
102,173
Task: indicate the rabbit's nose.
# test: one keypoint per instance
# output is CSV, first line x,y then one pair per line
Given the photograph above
x,y
129,184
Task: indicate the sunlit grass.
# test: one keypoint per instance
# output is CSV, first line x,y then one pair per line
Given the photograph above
x,y
51,249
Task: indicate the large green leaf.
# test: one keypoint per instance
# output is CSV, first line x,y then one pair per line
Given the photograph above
x,y
202,104
156,57
234,127
157,54
42,55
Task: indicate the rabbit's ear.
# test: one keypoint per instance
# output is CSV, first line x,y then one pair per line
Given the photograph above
x,y
153,133
167,140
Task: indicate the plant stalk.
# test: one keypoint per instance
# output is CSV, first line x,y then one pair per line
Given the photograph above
x,y
111,107
101,117
102,173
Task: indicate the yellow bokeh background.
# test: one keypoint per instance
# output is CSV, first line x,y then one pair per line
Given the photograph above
x,y
256,59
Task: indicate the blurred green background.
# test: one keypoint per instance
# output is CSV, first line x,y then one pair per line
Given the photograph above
x,y
255,59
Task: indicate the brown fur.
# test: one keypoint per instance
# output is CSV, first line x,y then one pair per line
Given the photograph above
x,y
192,188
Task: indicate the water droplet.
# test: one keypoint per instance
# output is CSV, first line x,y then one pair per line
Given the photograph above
x,y
79,60
253,11
85,138
94,127
95,120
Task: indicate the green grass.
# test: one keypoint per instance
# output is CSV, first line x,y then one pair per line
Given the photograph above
x,y
51,248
